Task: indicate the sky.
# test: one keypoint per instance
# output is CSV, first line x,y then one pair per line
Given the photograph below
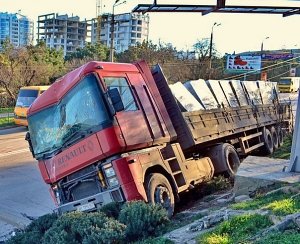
x,y
237,32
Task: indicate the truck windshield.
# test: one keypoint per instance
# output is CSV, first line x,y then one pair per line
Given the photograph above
x,y
80,112
26,97
285,82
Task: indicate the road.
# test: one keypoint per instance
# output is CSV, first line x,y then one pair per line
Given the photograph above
x,y
23,194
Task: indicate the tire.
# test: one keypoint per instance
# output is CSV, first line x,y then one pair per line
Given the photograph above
x,y
274,137
159,191
268,147
225,159
280,136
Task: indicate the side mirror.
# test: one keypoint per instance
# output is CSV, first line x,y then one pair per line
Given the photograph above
x,y
27,138
116,99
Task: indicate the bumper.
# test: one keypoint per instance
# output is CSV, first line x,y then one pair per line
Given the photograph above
x,y
97,201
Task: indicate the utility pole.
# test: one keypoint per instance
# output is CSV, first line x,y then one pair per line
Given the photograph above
x,y
112,24
263,76
211,45
262,45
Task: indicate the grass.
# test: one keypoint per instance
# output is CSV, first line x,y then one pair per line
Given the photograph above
x,y
286,237
284,151
285,206
279,203
261,201
7,110
235,230
6,122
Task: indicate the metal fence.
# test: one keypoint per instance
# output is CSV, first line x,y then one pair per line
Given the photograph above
x,y
6,116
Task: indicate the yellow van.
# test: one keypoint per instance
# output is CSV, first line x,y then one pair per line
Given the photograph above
x,y
288,84
26,96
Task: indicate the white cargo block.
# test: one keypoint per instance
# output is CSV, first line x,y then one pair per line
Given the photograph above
x,y
239,92
219,94
200,90
267,91
253,92
229,93
185,98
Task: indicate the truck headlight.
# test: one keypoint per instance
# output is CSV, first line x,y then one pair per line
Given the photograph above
x,y
113,181
109,171
110,175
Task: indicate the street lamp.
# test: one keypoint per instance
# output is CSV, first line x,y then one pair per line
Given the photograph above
x,y
262,45
211,42
112,24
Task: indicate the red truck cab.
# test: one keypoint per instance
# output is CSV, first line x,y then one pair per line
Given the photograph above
x,y
83,125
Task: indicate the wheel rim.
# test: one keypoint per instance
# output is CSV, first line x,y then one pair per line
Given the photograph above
x,y
162,196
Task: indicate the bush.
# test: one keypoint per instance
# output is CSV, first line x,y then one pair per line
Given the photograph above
x,y
77,227
112,209
35,231
142,220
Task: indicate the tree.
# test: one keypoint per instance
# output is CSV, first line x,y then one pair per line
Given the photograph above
x,y
148,51
202,50
90,52
24,66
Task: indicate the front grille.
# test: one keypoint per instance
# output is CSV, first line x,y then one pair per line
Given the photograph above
x,y
80,184
85,189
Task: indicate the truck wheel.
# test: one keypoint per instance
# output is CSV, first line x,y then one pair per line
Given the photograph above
x,y
274,137
159,191
225,159
280,136
268,140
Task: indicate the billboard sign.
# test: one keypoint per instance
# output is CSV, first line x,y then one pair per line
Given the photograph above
x,y
243,64
276,56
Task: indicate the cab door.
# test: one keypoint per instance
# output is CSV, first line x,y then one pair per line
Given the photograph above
x,y
131,119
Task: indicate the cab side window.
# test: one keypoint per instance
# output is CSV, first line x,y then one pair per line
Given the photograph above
x,y
125,92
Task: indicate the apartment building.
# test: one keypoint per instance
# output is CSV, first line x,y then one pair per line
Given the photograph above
x,y
129,29
63,32
16,28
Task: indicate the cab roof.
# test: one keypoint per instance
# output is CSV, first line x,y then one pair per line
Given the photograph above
x,y
62,85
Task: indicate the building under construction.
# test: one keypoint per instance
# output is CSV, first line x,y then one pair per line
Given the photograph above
x,y
63,32
129,29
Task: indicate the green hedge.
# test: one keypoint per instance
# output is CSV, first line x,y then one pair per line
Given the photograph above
x,y
142,220
114,223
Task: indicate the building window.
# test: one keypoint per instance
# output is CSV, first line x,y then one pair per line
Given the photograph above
x,y
139,22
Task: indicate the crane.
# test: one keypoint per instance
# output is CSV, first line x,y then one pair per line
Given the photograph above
x,y
99,18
